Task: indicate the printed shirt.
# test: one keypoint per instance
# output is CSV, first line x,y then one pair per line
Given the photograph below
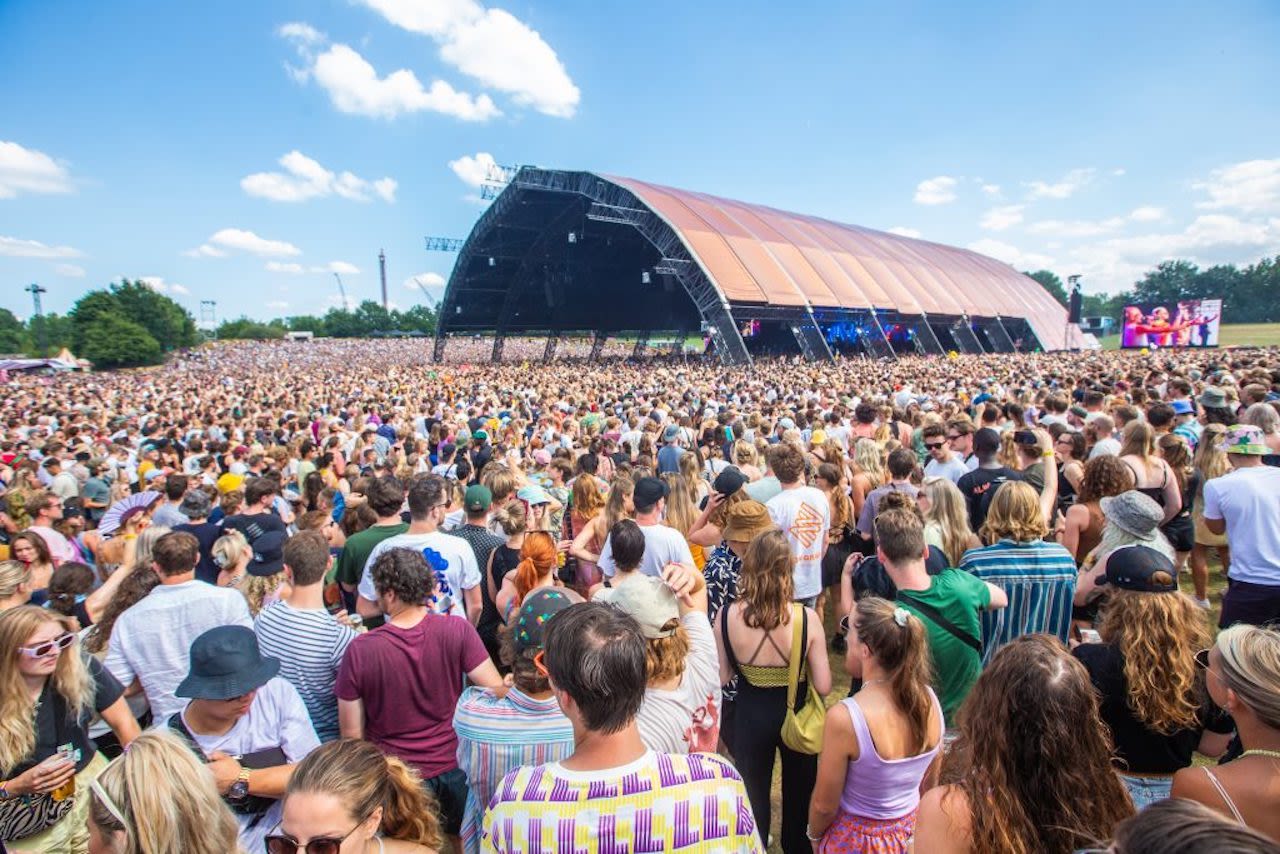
x,y
496,736
660,802
1040,581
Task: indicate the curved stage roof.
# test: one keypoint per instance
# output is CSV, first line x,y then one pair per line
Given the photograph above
x,y
732,257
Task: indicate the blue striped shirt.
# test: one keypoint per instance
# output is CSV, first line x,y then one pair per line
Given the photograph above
x,y
310,645
1040,580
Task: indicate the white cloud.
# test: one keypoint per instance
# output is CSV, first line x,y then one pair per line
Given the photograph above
x,y
1065,188
992,190
17,248
340,267
1077,228
903,231
1119,173
300,33
25,170
355,87
73,271
205,251
936,191
473,171
1146,213
304,178
160,286
239,240
278,304
999,219
491,46
289,267
430,280
1011,255
1250,187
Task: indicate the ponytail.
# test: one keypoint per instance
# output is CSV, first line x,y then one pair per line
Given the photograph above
x,y
537,559
897,639
408,812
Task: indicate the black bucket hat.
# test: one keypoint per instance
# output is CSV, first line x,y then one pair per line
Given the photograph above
x,y
226,663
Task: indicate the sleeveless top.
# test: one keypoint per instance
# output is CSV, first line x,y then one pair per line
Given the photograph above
x,y
882,788
767,675
1155,493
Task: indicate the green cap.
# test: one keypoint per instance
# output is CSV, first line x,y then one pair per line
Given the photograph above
x,y
477,498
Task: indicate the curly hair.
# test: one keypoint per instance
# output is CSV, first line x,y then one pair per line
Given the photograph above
x,y
665,657
1104,476
1156,633
404,572
1038,781
1014,515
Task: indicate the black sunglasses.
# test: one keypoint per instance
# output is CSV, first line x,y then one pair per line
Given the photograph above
x,y
280,844
933,446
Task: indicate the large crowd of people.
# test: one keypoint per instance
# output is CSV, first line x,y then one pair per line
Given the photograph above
x,y
331,597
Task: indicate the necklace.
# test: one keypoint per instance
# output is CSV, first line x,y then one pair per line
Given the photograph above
x,y
867,682
1274,754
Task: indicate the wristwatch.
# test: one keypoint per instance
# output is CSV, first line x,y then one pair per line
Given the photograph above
x,y
240,788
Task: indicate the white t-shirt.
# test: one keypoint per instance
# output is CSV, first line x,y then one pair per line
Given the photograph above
x,y
452,559
151,641
953,469
804,515
686,719
662,545
1249,500
1105,447
277,718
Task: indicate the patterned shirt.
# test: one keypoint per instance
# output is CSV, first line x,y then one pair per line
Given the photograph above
x,y
660,802
1040,580
498,735
721,573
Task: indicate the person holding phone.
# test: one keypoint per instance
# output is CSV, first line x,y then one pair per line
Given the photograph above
x,y
48,693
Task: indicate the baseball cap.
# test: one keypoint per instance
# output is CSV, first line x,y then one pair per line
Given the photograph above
x,y
480,436
650,602
230,482
477,498
538,608
648,492
1182,407
1025,437
268,554
533,494
729,481
1134,568
671,433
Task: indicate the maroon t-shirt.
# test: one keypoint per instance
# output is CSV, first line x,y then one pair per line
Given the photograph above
x,y
410,681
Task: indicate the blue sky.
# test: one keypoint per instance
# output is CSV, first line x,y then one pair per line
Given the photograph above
x,y
241,151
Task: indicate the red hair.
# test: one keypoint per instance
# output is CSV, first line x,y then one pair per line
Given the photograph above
x,y
537,559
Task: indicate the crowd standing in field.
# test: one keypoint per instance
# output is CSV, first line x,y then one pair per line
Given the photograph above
x,y
331,597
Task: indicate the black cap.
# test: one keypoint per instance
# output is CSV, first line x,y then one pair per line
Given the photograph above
x,y
1025,437
729,481
649,491
226,663
1134,568
268,554
986,441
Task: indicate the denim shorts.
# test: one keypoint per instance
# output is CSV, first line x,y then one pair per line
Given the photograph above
x,y
1146,791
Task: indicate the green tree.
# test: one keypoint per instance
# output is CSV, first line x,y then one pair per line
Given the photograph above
x,y
1051,283
305,323
88,312
418,319
55,330
114,341
1169,282
13,333
243,327
168,322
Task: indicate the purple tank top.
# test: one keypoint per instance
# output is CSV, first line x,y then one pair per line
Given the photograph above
x,y
882,788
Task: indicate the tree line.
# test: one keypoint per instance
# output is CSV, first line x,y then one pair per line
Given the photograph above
x,y
1249,294
367,319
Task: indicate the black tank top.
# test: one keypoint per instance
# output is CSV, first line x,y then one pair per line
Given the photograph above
x,y
1155,493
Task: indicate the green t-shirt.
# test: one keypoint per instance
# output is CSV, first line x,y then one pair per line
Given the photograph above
x,y
959,597
355,554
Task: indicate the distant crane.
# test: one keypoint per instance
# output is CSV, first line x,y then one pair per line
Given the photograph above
x,y
346,306
431,302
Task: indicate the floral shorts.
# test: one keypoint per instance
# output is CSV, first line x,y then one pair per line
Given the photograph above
x,y
851,833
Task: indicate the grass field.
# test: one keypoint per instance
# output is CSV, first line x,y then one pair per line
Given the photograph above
x,y
1232,335
840,676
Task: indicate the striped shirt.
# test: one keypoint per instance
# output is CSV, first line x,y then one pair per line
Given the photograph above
x,y
1040,580
498,735
310,644
659,802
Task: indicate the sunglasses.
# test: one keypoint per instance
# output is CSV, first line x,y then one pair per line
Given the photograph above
x,y
280,844
58,644
933,446
954,438
539,662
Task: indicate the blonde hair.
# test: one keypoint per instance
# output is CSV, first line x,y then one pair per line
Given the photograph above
x,y
869,459
256,589
1251,668
1139,440
744,453
1155,633
1014,514
70,679
615,508
947,510
229,549
167,799
1209,461
13,574
360,777
511,519
766,585
680,510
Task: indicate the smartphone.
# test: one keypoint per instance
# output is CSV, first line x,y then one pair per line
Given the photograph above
x,y
1090,636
